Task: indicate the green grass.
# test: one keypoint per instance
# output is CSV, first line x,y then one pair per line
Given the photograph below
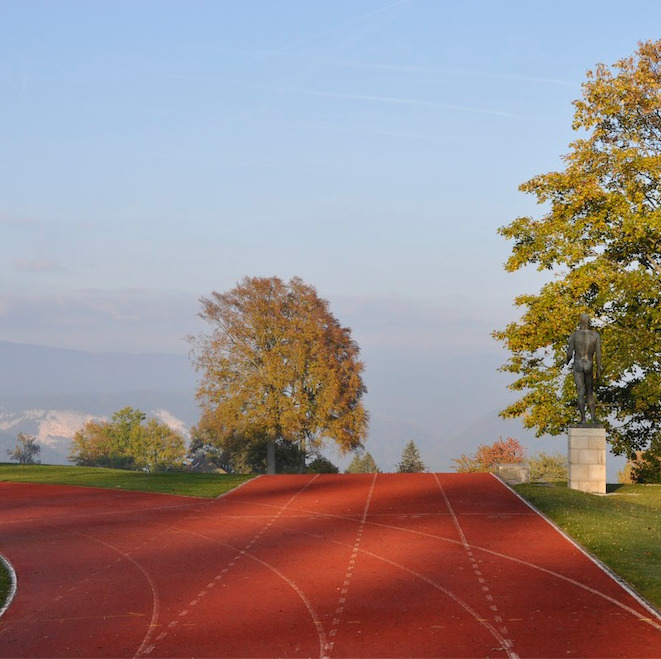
x,y
5,584
183,483
622,529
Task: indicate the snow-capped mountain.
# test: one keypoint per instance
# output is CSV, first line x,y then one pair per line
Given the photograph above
x,y
40,393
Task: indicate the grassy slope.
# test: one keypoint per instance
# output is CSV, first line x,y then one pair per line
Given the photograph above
x,y
622,529
183,483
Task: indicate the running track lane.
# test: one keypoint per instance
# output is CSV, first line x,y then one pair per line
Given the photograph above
x,y
392,565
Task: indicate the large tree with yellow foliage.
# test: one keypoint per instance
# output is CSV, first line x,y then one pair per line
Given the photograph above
x,y
276,365
600,236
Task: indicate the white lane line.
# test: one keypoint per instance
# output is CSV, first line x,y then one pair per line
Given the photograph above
x,y
623,584
464,605
154,591
654,623
240,553
350,571
508,644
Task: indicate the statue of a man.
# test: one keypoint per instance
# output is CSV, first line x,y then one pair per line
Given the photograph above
x,y
585,347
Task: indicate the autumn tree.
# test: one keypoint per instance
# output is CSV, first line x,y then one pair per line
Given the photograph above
x,y
599,238
487,456
278,368
363,464
411,462
127,442
26,450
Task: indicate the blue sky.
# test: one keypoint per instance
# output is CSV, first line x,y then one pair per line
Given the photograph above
x,y
154,151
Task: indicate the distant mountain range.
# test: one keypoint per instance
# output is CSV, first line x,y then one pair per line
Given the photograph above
x,y
51,392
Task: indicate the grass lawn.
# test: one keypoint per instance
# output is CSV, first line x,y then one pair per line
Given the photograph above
x,y
183,483
622,528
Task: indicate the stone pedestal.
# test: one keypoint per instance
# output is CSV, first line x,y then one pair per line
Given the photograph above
x,y
513,474
587,459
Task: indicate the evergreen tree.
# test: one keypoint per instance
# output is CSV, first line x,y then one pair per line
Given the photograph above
x,y
411,462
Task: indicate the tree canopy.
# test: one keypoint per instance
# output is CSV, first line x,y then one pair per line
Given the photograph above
x,y
126,442
411,462
600,240
276,365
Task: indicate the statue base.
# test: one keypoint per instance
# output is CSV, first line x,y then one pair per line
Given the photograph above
x,y
587,458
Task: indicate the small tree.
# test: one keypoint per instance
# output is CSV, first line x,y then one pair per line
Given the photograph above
x,y
363,464
411,462
488,456
26,450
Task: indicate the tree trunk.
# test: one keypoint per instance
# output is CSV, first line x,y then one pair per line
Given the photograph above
x,y
270,457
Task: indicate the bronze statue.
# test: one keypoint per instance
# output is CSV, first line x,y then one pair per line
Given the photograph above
x,y
585,347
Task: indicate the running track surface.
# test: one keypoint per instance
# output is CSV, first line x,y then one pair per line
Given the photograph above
x,y
388,565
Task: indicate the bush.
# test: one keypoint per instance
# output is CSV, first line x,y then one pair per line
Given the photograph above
x,y
322,465
546,467
646,468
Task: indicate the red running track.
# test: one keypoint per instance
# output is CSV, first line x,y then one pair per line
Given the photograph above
x,y
392,565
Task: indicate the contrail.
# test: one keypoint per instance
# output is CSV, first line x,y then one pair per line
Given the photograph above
x,y
396,100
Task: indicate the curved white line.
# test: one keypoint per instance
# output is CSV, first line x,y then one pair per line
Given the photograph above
x,y
485,623
602,566
520,561
562,577
13,584
466,545
152,585
313,614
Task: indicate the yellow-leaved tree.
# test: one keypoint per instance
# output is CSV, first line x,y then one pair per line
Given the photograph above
x,y
600,236
277,367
